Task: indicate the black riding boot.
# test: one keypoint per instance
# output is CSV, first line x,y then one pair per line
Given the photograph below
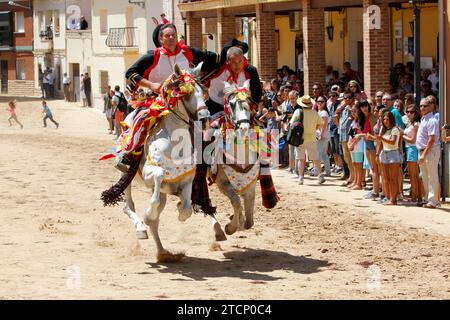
x,y
200,193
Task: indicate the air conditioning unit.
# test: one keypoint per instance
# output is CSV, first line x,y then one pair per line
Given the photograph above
x,y
295,21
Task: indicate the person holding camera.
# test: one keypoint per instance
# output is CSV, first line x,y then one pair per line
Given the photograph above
x,y
272,119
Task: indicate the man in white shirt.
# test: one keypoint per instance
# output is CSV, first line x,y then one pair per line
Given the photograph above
x,y
51,83
46,84
428,144
434,78
66,85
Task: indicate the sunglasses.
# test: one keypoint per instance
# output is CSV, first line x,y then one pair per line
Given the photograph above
x,y
380,97
348,98
410,111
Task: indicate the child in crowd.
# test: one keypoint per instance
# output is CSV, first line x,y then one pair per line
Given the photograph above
x,y
356,147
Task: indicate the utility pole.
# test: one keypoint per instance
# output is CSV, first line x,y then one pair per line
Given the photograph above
x,y
417,67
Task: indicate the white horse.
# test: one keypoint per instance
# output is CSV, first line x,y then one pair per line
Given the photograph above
x,y
239,179
165,171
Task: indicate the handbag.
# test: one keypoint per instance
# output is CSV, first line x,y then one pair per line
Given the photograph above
x,y
295,132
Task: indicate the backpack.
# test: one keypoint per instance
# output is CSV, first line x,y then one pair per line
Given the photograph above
x,y
122,104
295,132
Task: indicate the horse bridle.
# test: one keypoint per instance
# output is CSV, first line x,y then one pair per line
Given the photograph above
x,y
232,105
191,116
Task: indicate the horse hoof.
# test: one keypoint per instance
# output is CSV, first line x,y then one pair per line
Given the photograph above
x,y
220,236
248,225
183,216
228,231
169,257
142,235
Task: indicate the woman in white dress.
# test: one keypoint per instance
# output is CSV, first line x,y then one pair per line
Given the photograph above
x,y
82,94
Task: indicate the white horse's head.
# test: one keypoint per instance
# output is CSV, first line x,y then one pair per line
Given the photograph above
x,y
238,105
190,91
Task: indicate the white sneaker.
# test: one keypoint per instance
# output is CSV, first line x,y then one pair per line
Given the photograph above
x,y
432,205
300,181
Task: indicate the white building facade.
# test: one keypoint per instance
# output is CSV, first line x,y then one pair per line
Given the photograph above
x,y
49,38
118,33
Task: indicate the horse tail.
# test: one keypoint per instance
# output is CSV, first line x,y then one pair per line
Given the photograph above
x,y
114,195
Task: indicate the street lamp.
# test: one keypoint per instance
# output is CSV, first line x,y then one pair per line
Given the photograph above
x,y
417,68
411,26
330,31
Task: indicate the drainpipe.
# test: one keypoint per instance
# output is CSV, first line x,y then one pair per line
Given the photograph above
x,y
442,101
417,67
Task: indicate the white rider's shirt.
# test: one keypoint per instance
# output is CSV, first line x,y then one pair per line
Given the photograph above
x,y
217,85
164,67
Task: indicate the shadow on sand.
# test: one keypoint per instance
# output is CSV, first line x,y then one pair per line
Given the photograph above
x,y
246,264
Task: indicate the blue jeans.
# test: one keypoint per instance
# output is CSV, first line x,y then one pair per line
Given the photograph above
x,y
322,147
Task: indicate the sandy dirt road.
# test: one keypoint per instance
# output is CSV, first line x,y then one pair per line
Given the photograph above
x,y
57,241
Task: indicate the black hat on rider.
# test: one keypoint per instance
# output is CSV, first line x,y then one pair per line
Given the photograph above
x,y
155,36
234,43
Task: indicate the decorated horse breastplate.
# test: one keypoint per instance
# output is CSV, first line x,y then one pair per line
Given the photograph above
x,y
241,180
164,68
174,170
216,92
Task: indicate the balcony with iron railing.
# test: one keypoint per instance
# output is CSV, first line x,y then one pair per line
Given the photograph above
x,y
46,35
125,37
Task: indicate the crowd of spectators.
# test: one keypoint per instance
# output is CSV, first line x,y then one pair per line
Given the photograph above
x,y
385,139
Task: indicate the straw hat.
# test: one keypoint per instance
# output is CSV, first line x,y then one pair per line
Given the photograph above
x,y
305,102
